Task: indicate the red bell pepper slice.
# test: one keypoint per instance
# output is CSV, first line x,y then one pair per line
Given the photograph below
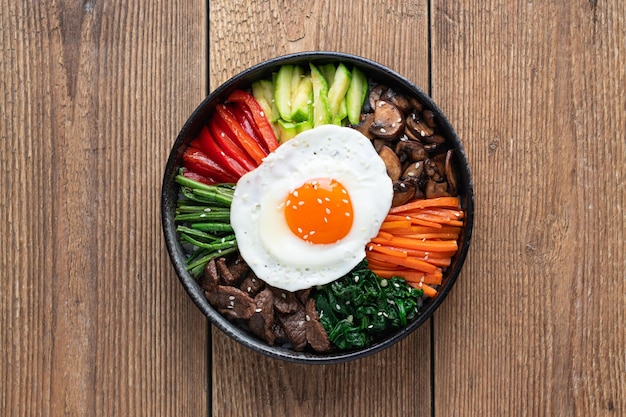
x,y
197,177
228,145
211,148
244,116
267,133
251,146
197,161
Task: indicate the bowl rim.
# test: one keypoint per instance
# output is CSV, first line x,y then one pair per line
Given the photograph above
x,y
169,197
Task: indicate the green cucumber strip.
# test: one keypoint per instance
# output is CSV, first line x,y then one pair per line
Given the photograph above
x,y
355,96
282,91
286,130
338,89
329,72
302,100
321,111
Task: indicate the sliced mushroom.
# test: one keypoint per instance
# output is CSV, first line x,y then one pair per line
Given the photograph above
x,y
392,162
411,150
450,172
398,100
378,144
403,192
388,121
434,139
418,127
375,95
364,127
431,168
436,189
416,104
429,118
414,170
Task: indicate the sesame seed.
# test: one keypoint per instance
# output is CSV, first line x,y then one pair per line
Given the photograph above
x,y
380,313
370,326
294,207
288,202
327,199
356,279
258,310
231,298
325,220
283,295
300,203
249,289
347,214
307,318
338,306
319,200
327,210
299,230
295,193
383,130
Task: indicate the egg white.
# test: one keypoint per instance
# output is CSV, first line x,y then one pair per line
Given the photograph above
x,y
264,238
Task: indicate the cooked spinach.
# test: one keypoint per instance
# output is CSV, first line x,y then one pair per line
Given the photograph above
x,y
360,306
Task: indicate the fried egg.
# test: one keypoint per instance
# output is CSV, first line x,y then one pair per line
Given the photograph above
x,y
304,216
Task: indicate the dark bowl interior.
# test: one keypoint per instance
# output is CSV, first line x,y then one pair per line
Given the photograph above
x,y
191,129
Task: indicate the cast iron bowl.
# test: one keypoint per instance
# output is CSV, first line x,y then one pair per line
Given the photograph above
x,y
243,80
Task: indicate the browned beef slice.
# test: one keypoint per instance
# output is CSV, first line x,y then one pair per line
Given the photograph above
x,y
262,321
286,302
293,324
280,336
231,302
251,284
303,295
226,277
315,333
209,280
238,268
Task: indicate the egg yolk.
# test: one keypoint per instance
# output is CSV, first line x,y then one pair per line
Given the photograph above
x,y
319,211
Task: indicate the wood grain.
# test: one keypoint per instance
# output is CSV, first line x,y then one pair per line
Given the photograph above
x,y
93,321
394,382
535,325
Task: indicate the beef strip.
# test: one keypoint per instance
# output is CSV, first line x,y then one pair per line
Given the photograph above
x,y
232,271
231,302
210,279
262,321
251,284
286,302
293,325
315,333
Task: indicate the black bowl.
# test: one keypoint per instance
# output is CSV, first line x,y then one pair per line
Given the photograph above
x,y
243,80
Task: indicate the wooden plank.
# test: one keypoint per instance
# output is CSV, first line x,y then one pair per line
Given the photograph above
x,y
391,383
535,325
92,318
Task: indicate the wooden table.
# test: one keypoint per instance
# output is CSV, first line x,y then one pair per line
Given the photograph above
x,y
93,321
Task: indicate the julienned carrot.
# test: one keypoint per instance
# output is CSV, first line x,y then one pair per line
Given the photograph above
x,y
395,224
388,250
452,202
406,261
421,244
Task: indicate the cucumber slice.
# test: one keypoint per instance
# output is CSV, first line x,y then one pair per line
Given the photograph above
x,y
296,77
263,92
355,96
302,100
321,111
282,92
338,89
286,130
329,72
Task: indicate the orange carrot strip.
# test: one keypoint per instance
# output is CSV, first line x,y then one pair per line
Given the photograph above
x,y
395,217
428,290
423,222
387,251
425,245
429,202
445,212
408,262
395,224
384,235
